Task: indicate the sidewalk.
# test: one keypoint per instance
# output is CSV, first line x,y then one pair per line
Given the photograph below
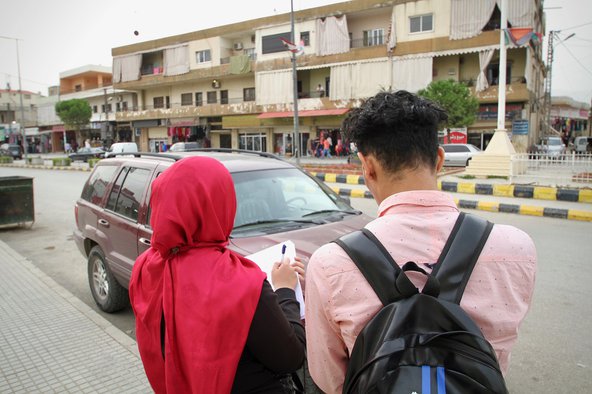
x,y
52,342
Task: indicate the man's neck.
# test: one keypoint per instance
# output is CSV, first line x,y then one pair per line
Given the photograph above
x,y
422,178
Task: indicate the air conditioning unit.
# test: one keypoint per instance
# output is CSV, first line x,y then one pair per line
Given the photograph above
x,y
238,46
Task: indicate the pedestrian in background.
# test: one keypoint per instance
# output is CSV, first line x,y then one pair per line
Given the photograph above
x,y
396,135
207,320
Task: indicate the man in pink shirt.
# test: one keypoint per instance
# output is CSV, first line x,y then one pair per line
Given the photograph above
x,y
397,142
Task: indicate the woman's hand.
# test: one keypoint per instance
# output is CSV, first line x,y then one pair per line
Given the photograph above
x,y
286,274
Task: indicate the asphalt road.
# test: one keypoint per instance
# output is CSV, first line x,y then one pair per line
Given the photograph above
x,y
554,350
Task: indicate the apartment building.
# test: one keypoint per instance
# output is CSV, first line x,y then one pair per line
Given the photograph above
x,y
94,84
18,111
232,86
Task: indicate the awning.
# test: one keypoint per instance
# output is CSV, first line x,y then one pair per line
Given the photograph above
x,y
306,113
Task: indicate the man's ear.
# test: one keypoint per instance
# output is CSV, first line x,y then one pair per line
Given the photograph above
x,y
368,166
440,159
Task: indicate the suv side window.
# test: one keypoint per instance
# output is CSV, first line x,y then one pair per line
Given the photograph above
x,y
95,189
127,191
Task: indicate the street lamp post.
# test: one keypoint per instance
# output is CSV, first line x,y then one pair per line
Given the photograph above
x,y
295,82
22,123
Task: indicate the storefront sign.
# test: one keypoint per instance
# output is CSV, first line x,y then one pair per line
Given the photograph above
x,y
520,127
457,136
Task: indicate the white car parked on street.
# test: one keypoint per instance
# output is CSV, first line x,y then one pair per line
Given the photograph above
x,y
458,155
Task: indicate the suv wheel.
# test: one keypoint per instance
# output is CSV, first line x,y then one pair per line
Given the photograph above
x,y
109,295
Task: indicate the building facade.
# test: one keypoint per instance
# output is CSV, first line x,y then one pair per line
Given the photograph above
x,y
17,120
94,84
232,86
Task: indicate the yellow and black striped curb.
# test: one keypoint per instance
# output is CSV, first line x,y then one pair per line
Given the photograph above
x,y
519,191
560,213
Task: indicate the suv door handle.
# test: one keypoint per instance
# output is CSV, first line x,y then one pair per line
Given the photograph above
x,y
104,222
145,241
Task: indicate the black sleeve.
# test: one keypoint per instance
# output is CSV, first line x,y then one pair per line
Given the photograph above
x,y
276,338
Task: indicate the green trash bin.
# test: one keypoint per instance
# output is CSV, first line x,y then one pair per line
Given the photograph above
x,y
16,201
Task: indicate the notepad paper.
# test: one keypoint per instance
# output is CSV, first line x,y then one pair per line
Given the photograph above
x,y
265,259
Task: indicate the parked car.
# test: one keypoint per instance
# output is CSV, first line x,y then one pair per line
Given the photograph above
x,y
276,202
583,144
14,150
122,147
459,155
185,146
552,147
83,154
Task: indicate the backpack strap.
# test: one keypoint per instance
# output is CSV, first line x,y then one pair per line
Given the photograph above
x,y
460,254
374,262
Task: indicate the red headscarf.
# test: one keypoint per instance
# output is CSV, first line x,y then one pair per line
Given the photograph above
x,y
207,293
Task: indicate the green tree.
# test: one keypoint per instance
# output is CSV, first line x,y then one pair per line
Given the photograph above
x,y
456,99
75,113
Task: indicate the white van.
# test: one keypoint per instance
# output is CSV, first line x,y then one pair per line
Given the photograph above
x,y
122,147
583,144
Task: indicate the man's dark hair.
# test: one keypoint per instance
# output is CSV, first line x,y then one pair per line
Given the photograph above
x,y
399,128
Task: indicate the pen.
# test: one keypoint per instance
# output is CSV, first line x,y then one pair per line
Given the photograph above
x,y
283,253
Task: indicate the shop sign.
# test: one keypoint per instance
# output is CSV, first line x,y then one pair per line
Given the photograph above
x,y
457,135
520,127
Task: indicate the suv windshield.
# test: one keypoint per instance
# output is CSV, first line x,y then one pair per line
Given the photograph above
x,y
283,198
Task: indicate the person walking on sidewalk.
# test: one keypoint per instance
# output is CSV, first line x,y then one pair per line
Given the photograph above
x,y
207,320
396,135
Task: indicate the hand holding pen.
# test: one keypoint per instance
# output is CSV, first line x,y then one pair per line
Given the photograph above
x,y
282,273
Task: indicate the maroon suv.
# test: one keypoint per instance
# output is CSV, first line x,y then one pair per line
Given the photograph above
x,y
277,201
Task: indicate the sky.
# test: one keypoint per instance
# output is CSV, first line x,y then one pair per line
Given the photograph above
x,y
60,35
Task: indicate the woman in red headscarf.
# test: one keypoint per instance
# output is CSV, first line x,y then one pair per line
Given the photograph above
x,y
207,320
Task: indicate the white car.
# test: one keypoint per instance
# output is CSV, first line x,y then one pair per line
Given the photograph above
x,y
122,147
552,147
458,155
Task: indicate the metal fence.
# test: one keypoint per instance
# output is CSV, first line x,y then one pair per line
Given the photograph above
x,y
568,170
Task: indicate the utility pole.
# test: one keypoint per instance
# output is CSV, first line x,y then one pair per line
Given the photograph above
x,y
548,81
295,82
22,124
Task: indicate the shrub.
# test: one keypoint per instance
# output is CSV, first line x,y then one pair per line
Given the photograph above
x,y
62,161
92,162
5,159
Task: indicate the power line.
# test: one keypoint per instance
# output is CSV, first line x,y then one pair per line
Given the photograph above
x,y
575,58
575,27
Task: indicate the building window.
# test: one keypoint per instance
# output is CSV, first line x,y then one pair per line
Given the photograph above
x,y
186,99
77,88
198,99
109,108
373,37
249,94
493,73
273,43
223,96
27,96
421,23
118,107
95,109
212,97
305,38
256,142
203,56
124,106
251,53
103,108
158,102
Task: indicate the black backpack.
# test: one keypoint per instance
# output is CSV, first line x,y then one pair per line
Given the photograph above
x,y
422,343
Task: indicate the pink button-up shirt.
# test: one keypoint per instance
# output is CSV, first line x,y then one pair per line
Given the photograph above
x,y
414,226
